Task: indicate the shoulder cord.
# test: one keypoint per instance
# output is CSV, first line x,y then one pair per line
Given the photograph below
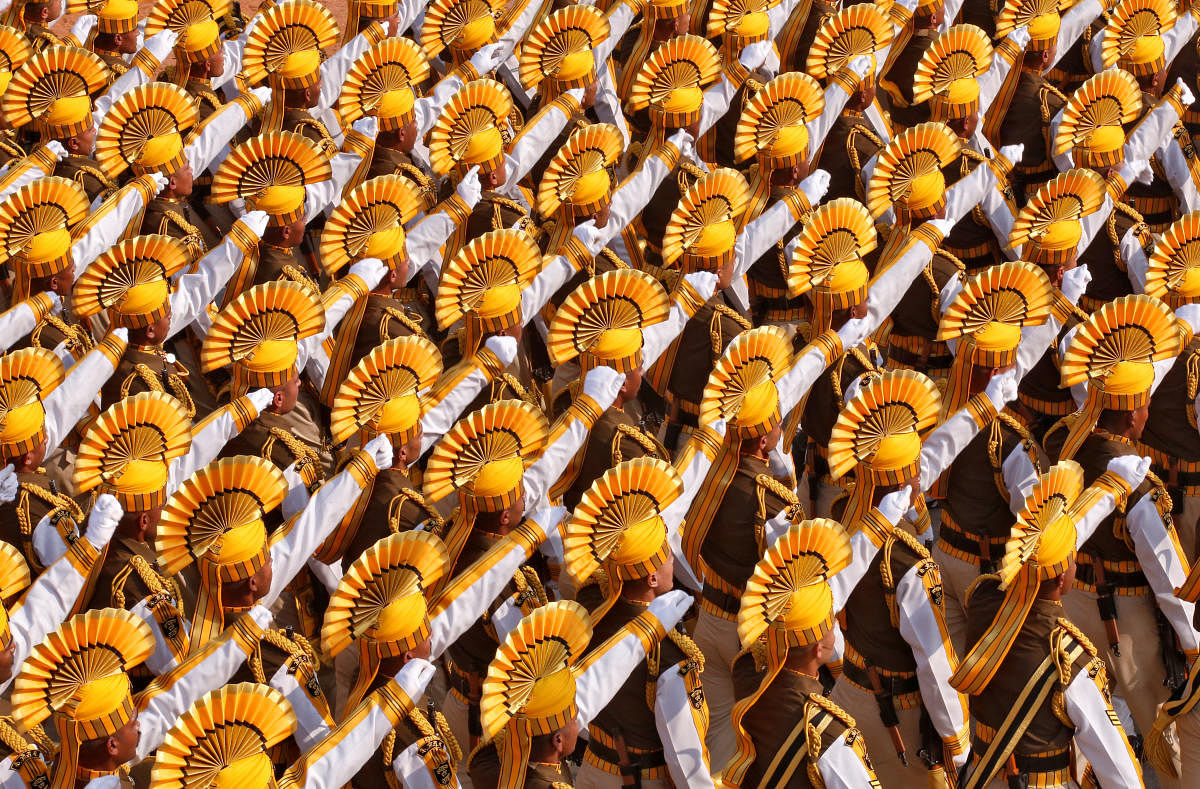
x,y
155,583
192,239
412,324
327,142
397,504
714,327
425,184
151,380
57,502
77,338
639,437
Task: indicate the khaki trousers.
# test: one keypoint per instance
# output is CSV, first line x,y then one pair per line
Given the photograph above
x,y
718,640
891,771
592,777
957,577
1137,673
455,710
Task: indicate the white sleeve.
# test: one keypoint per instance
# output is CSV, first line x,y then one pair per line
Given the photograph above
x,y
322,194
1175,39
312,722
1177,168
693,466
716,103
993,79
323,512
44,607
494,571
633,195
438,420
216,432
414,773
359,735
818,128
218,129
1165,567
1074,22
32,172
619,19
944,444
607,103
546,470
1091,224
675,718
210,668
800,377
1089,521
998,213
68,403
19,320
1150,132
926,634
657,338
425,240
1098,734
1035,342
553,276
605,673
531,143
130,202
48,544
842,768
862,555
1136,264
1020,476
335,68
194,291
143,66
768,228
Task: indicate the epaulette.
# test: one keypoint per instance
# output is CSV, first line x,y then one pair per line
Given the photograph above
x,y
689,170
108,184
768,484
1078,635
152,382
833,709
212,98
974,584
1160,496
954,260
327,143
77,337
437,522
58,504
408,321
530,592
973,155
192,238
687,646
8,144
118,68
438,729
640,437
425,185
306,459
505,202
613,258
515,120
294,644
154,583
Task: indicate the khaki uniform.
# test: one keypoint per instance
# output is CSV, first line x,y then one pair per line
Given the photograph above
x,y
874,642
1174,449
912,343
384,318
614,438
1043,750
731,549
286,263
485,771
897,84
701,344
178,219
1041,395
767,278
85,172
144,368
286,439
37,497
388,161
301,121
1034,103
630,712
493,212
775,725
977,514
1103,258
395,504
851,142
972,240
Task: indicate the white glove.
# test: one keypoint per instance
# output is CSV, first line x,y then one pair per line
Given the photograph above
x,y
1013,152
8,484
368,126
1136,171
261,398
256,222
469,190
261,616
853,332
669,608
684,141
121,333
1190,314
1002,389
1186,97
602,385
893,506
577,94
704,282
159,180
56,303
83,28
488,58
262,94
1075,282
589,235
505,349
1131,468
817,183
861,66
756,54
414,678
1020,36
369,270
380,450
106,514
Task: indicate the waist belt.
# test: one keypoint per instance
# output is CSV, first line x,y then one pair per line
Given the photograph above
x,y
903,686
459,682
719,602
602,753
965,546
1124,577
1045,768
931,358
988,249
1181,475
1048,407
